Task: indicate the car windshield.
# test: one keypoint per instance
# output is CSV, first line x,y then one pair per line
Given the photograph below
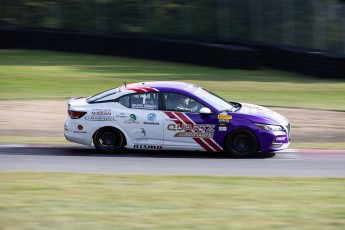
x,y
214,100
102,95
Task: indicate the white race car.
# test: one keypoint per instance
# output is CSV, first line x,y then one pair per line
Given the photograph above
x,y
173,116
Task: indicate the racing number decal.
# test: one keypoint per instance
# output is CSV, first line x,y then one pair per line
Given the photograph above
x,y
201,133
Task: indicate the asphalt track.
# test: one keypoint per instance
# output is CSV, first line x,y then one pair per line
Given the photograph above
x,y
300,163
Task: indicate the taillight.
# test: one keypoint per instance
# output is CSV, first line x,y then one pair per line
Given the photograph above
x,y
76,114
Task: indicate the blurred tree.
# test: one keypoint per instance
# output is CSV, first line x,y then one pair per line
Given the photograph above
x,y
124,16
309,23
24,13
272,21
240,21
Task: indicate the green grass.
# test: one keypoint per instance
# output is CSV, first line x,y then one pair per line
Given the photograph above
x,y
91,201
26,74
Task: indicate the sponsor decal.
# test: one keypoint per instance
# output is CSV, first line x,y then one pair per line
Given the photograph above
x,y
143,132
250,106
151,117
80,128
100,118
101,112
222,128
208,128
148,146
142,106
132,119
194,135
186,124
79,132
223,124
150,123
281,139
224,117
100,115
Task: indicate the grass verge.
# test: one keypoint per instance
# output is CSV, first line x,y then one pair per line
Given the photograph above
x,y
92,201
26,74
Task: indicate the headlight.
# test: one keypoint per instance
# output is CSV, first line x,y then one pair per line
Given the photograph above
x,y
270,127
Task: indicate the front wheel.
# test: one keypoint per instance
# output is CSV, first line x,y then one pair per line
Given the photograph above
x,y
242,144
108,140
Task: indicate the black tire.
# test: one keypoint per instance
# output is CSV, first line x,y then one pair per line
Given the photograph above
x,y
242,144
108,140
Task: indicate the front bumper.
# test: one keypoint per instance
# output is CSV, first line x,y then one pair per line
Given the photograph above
x,y
271,141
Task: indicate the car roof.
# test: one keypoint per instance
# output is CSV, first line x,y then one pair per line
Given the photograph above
x,y
172,86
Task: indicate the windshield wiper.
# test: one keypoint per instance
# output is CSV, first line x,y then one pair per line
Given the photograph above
x,y
226,110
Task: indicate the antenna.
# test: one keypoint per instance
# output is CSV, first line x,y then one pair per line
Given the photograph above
x,y
125,85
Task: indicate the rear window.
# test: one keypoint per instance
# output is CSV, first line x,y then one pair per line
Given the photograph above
x,y
102,96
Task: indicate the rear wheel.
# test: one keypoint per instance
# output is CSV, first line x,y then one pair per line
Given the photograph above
x,y
242,144
108,140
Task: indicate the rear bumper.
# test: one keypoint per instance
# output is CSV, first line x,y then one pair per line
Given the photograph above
x,y
77,136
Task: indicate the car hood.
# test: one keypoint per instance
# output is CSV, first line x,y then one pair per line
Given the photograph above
x,y
255,112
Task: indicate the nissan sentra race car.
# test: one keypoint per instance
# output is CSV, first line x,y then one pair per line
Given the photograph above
x,y
174,116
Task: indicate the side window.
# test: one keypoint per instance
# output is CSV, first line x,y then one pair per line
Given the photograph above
x,y
137,101
181,103
147,101
124,101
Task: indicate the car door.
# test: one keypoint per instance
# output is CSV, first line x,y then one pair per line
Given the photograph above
x,y
141,120
188,130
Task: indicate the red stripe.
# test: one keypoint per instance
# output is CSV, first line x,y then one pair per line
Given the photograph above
x,y
150,89
183,117
202,144
137,90
214,145
173,117
169,114
142,89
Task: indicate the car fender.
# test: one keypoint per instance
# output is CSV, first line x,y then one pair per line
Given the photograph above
x,y
238,123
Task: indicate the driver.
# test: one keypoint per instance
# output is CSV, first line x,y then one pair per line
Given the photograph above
x,y
182,103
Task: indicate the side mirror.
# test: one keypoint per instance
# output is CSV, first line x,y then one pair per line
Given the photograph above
x,y
205,111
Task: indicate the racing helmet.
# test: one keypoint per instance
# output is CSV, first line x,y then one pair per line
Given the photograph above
x,y
183,100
